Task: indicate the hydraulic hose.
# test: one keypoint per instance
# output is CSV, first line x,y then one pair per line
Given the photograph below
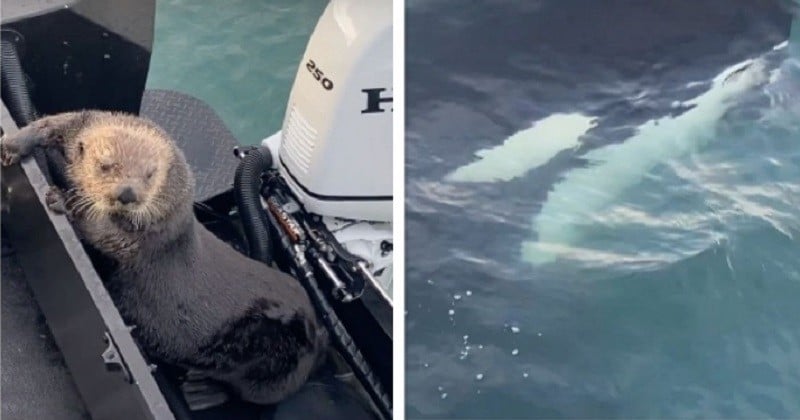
x,y
342,338
256,221
345,342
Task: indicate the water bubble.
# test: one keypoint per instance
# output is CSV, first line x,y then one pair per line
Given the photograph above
x,y
539,334
514,329
469,292
440,388
430,281
451,312
524,374
425,365
514,352
479,376
444,395
457,297
106,56
466,337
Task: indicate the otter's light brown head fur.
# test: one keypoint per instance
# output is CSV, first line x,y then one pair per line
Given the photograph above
x,y
122,167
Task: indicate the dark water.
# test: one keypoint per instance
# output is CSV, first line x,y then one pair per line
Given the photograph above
x,y
679,298
239,56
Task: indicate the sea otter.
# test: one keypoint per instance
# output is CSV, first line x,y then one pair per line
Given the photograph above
x,y
196,302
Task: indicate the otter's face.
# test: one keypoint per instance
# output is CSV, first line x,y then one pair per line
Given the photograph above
x,y
122,171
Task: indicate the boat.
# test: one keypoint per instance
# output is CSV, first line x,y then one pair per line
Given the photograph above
x,y
320,189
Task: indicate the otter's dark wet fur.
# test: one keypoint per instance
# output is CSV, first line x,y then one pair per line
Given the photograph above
x,y
196,302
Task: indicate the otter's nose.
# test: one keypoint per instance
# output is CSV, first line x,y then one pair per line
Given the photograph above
x,y
127,196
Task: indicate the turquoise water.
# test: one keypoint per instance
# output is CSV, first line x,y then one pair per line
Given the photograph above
x,y
239,56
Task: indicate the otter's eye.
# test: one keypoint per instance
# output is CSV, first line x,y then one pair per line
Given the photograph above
x,y
150,173
80,148
105,167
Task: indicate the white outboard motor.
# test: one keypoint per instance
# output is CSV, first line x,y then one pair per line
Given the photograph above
x,y
334,150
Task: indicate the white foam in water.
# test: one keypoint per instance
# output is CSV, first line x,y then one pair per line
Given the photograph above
x,y
526,149
612,169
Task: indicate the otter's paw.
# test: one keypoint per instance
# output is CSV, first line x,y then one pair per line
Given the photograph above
x,y
9,151
55,200
20,144
201,392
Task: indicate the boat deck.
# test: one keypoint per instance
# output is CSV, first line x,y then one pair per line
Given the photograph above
x,y
35,382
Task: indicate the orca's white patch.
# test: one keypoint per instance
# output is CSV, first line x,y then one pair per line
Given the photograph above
x,y
585,192
526,149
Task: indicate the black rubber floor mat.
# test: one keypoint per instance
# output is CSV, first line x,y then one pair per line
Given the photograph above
x,y
201,134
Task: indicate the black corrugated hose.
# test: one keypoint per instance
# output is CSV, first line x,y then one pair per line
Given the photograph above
x,y
246,190
15,95
14,86
17,98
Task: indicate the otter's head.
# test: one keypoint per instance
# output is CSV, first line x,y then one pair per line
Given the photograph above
x,y
128,171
